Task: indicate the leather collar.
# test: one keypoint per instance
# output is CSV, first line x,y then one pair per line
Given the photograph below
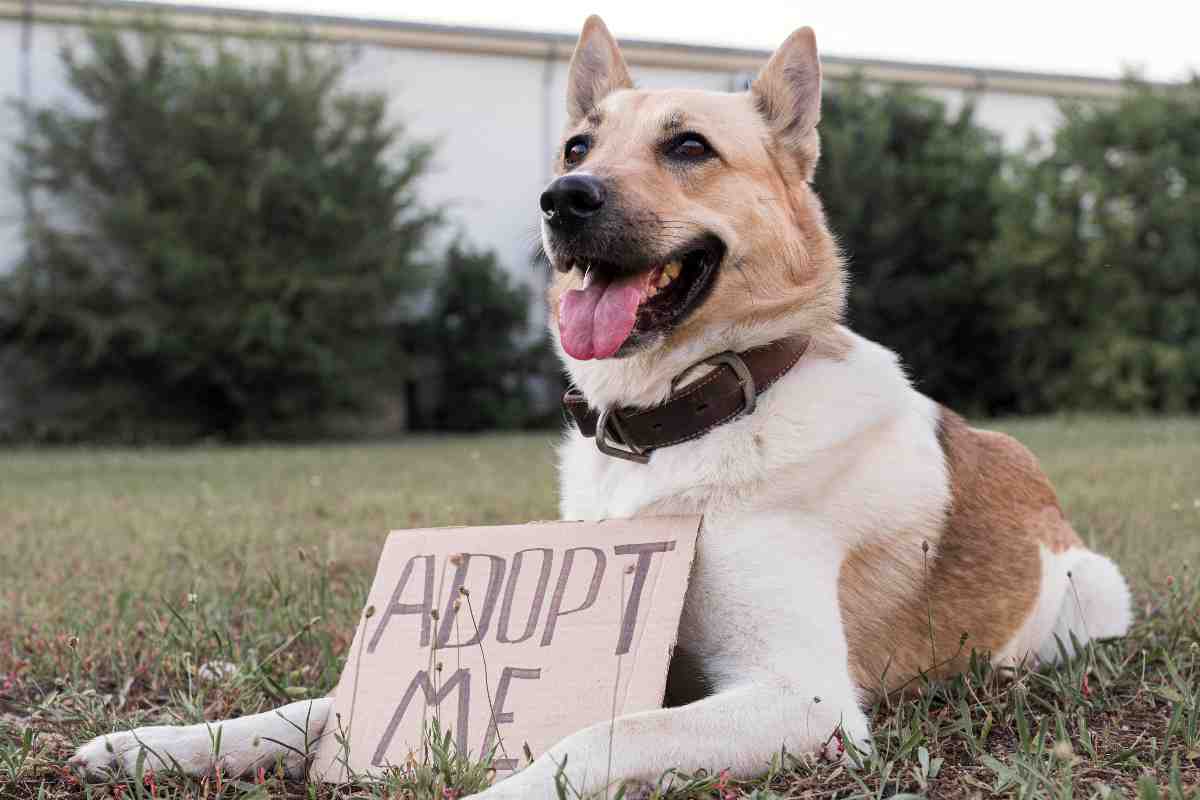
x,y
727,392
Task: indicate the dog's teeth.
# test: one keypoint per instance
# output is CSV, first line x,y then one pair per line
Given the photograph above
x,y
673,269
663,280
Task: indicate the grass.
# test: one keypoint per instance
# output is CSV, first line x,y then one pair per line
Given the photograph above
x,y
123,571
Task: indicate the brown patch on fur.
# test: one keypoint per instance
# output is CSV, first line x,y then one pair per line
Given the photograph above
x,y
905,612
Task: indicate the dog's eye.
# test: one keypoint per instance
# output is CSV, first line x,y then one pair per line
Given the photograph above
x,y
689,147
575,150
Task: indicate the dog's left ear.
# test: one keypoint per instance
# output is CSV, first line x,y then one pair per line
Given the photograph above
x,y
788,94
597,68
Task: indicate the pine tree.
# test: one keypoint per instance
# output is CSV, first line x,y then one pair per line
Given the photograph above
x,y
484,365
912,193
1100,257
232,243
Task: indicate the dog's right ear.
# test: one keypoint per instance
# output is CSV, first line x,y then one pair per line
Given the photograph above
x,y
788,94
597,69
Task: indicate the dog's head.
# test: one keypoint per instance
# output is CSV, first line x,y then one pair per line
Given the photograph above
x,y
686,216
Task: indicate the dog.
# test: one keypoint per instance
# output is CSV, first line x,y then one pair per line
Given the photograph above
x,y
876,539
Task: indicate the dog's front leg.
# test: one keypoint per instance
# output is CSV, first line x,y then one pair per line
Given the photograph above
x,y
740,729
286,736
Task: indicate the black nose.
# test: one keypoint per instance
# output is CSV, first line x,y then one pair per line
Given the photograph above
x,y
571,199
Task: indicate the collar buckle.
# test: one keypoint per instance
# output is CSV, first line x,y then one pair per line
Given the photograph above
x,y
609,425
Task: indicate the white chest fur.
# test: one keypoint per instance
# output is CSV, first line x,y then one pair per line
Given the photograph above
x,y
838,453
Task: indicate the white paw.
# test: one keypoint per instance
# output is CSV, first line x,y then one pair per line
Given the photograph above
x,y
852,732
110,753
165,748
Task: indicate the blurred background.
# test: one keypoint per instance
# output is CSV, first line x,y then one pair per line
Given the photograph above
x,y
294,220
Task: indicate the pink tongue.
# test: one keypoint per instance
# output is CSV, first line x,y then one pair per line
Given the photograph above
x,y
593,322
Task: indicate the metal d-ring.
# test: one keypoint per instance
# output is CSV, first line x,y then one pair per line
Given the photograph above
x,y
634,453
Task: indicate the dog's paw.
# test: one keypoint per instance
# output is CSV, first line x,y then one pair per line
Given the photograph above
x,y
104,755
851,740
163,747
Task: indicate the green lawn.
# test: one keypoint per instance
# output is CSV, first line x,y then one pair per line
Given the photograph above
x,y
122,570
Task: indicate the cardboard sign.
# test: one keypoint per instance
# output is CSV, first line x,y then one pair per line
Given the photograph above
x,y
508,636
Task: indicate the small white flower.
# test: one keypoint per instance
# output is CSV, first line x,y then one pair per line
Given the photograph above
x,y
192,598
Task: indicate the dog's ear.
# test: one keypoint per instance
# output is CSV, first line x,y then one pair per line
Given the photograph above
x,y
788,94
597,68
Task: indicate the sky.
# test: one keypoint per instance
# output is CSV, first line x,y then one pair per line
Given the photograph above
x,y
1157,38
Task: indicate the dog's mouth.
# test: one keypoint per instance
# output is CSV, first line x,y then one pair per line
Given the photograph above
x,y
609,315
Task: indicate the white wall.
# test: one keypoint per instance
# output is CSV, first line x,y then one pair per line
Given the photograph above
x,y
496,120
10,128
49,86
1015,117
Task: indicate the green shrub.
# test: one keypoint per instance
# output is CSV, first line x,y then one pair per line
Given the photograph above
x,y
1099,258
913,194
233,245
485,365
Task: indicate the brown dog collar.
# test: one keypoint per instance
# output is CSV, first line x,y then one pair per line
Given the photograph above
x,y
728,392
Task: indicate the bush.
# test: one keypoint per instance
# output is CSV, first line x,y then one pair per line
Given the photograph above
x,y
233,244
484,368
914,194
1100,258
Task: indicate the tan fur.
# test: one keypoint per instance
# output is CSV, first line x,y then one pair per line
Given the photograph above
x,y
784,94
597,69
906,611
782,260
